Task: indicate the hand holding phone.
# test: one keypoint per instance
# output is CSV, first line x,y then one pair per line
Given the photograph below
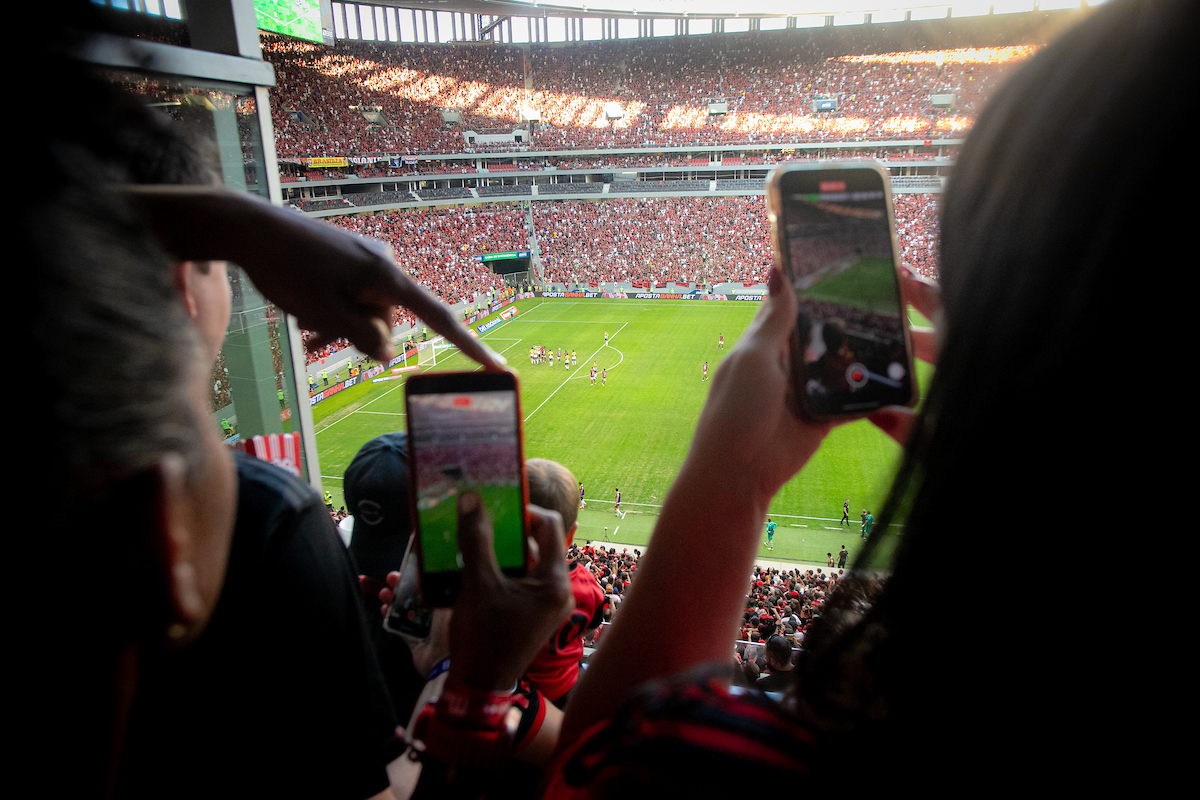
x,y
407,616
833,231
500,623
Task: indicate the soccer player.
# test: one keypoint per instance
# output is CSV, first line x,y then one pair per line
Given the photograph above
x,y
770,542
552,358
603,376
573,359
705,372
606,337
583,503
567,364
593,375
721,341
617,504
845,512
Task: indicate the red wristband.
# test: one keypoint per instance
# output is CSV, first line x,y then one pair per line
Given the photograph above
x,y
454,745
465,707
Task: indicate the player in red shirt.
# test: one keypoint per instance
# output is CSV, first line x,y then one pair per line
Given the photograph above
x,y
555,669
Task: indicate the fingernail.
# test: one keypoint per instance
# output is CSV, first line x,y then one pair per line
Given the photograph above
x,y
468,502
775,282
906,271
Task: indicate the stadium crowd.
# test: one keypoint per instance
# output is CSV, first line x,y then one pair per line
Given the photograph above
x,y
658,239
367,98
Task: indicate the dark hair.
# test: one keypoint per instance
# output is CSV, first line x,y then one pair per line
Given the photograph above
x,y
1046,212
114,354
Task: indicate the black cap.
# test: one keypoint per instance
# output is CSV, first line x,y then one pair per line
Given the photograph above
x,y
376,491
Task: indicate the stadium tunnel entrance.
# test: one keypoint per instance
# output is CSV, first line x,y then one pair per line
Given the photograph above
x,y
513,266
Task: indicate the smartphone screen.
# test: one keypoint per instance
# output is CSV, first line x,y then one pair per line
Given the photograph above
x,y
851,351
465,433
408,616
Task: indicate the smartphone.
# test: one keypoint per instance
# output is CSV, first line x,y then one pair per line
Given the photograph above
x,y
834,235
408,616
464,432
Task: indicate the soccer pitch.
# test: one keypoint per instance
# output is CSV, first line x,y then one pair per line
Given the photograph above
x,y
632,433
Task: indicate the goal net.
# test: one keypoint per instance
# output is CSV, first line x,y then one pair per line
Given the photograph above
x,y
437,349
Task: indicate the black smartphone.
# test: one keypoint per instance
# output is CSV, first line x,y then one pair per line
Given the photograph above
x,y
834,234
408,616
464,432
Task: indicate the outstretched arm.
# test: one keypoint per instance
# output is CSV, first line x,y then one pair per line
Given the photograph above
x,y
334,282
710,524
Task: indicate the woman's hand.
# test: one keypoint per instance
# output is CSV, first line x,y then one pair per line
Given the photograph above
x,y
926,297
747,429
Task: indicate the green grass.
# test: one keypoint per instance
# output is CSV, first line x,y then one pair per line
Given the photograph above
x,y
633,433
870,285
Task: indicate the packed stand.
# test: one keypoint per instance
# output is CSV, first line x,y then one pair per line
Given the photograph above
x,y
438,246
769,82
681,239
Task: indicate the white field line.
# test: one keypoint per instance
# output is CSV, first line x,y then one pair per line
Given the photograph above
x,y
352,413
515,342
625,502
593,355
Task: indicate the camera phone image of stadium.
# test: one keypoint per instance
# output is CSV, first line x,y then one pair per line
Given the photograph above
x,y
466,441
844,276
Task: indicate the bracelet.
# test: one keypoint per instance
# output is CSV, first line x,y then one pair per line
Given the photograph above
x,y
465,707
457,746
438,669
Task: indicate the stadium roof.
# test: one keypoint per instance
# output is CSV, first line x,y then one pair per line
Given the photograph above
x,y
881,10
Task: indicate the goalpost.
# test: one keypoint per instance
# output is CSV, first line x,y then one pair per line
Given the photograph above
x,y
430,352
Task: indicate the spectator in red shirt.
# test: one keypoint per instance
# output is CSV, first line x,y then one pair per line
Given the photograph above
x,y
555,669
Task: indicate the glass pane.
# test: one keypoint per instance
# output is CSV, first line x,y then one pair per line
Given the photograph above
x,y
737,25
627,28
664,27
253,382
773,24
593,29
